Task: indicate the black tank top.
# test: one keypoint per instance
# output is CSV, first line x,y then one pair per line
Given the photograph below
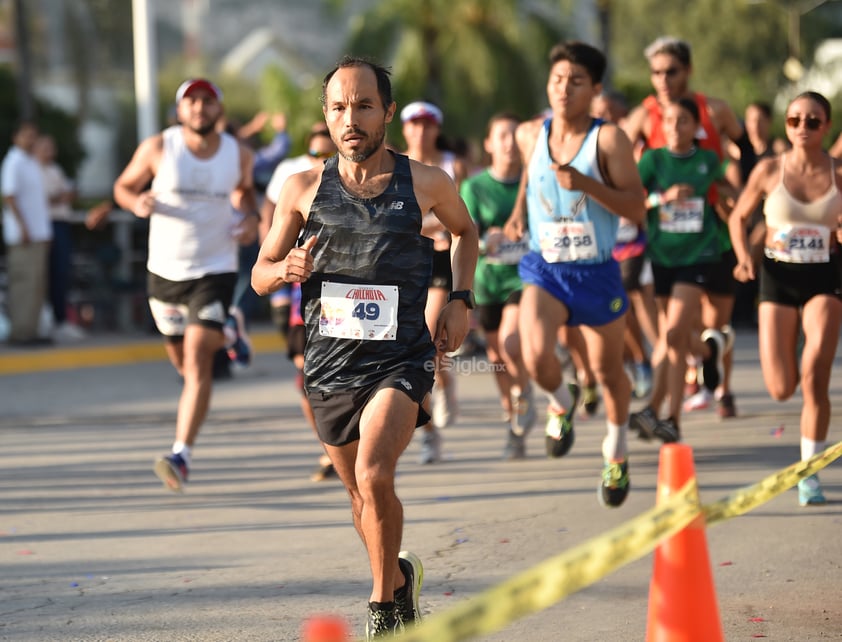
x,y
374,241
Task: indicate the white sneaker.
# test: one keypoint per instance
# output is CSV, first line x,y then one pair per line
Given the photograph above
x,y
699,401
68,332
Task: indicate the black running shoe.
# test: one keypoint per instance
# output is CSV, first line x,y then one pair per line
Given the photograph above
x,y
712,369
644,423
406,598
559,430
667,431
615,484
382,621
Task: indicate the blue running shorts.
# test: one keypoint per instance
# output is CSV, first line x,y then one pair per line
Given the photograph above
x,y
592,292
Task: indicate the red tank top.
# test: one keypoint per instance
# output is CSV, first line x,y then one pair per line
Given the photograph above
x,y
656,137
710,139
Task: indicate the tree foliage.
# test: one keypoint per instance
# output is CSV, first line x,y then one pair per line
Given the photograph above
x,y
472,57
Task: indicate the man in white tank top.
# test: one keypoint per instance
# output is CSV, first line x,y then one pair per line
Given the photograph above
x,y
200,180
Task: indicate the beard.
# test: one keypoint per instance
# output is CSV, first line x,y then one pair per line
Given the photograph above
x,y
374,142
205,129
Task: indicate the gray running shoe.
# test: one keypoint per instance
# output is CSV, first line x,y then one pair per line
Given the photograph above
x,y
430,447
515,447
523,411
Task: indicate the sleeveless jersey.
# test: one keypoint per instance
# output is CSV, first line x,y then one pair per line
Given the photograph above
x,y
707,136
191,231
804,232
369,245
548,203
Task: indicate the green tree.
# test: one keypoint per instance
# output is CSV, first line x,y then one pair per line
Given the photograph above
x,y
738,47
472,57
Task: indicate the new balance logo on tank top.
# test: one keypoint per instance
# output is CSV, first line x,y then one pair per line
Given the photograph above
x,y
363,304
191,231
567,226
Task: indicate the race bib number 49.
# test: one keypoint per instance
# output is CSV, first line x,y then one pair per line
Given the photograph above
x,y
565,242
365,312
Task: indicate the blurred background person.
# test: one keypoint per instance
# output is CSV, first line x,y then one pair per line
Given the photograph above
x,y
27,233
60,194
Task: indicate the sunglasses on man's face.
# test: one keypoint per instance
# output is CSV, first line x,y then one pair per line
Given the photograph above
x,y
669,72
810,122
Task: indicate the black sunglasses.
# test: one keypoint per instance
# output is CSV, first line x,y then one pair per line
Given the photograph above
x,y
810,122
669,72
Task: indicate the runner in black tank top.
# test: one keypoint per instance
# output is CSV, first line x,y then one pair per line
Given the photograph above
x,y
365,268
385,247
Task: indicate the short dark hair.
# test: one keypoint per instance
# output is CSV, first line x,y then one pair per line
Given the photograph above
x,y
670,46
384,83
690,105
764,107
580,53
502,115
817,98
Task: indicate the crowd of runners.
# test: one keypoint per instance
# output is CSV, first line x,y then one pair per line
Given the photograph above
x,y
597,257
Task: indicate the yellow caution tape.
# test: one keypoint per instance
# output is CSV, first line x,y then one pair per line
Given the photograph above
x,y
748,498
554,579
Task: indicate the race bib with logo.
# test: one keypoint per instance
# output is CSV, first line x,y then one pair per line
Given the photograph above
x,y
365,312
800,244
508,252
562,242
683,216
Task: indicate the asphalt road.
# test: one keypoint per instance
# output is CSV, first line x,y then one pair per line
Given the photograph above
x,y
92,548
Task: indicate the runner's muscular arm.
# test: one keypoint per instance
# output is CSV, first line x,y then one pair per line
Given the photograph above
x,y
129,187
726,119
525,136
279,261
622,193
749,199
634,124
434,190
244,198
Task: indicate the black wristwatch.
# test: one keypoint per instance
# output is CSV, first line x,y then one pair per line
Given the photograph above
x,y
463,295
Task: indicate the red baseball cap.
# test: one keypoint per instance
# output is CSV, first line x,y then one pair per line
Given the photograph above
x,y
189,86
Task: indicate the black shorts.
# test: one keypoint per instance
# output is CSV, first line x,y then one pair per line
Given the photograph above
x,y
442,272
177,304
721,279
338,414
630,271
794,284
296,337
490,316
666,277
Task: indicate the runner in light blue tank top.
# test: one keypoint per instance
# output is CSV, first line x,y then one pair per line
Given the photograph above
x,y
581,177
548,203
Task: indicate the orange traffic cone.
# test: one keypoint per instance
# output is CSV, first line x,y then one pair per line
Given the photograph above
x,y
682,600
325,628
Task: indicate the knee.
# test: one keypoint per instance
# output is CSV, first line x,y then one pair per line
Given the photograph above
x,y
675,338
781,390
511,346
374,481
